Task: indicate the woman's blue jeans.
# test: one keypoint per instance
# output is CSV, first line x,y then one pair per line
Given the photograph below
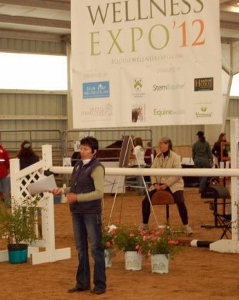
x,y
140,182
88,227
5,189
202,163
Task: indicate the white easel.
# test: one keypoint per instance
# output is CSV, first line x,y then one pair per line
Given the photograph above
x,y
124,158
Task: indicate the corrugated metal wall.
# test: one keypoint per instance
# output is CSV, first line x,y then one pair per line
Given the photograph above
x,y
52,46
180,135
21,111
233,109
31,107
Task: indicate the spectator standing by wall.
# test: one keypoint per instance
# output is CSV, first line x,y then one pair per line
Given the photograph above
x,y
26,155
75,157
138,154
148,154
202,157
4,175
217,147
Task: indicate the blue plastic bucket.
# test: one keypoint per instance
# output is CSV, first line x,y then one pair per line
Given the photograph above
x,y
17,253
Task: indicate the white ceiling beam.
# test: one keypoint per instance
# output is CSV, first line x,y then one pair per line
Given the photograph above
x,y
229,8
32,36
53,4
35,21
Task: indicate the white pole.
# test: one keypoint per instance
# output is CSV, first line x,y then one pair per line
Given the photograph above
x,y
47,156
162,172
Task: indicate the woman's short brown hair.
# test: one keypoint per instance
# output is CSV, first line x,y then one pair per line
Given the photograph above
x,y
168,141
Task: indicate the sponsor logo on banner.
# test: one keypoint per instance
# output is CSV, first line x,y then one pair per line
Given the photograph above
x,y
203,84
99,111
138,113
168,112
137,87
100,89
204,113
168,87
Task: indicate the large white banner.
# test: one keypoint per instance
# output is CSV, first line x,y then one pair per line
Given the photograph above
x,y
146,63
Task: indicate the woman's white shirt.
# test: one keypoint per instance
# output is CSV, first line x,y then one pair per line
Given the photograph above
x,y
139,155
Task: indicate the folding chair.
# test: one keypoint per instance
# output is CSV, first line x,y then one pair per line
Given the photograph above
x,y
163,198
223,219
216,193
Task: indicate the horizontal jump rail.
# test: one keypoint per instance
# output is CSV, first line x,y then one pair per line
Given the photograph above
x,y
162,172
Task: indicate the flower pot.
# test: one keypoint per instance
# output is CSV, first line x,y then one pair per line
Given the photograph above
x,y
108,258
133,260
17,253
159,263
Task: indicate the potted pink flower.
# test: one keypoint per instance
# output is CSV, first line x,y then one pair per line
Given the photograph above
x,y
130,239
161,245
108,240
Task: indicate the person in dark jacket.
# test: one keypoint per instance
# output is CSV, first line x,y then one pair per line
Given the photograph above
x,y
85,200
74,158
217,147
4,176
202,157
148,154
26,155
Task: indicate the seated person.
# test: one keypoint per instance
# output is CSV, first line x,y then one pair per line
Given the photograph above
x,y
173,184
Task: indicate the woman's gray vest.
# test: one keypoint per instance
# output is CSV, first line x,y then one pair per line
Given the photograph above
x,y
81,182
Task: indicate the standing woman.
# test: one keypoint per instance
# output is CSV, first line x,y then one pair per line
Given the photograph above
x,y
202,157
138,154
216,150
85,201
4,176
26,155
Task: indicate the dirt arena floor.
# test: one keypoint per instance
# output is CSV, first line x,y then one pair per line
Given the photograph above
x,y
195,273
